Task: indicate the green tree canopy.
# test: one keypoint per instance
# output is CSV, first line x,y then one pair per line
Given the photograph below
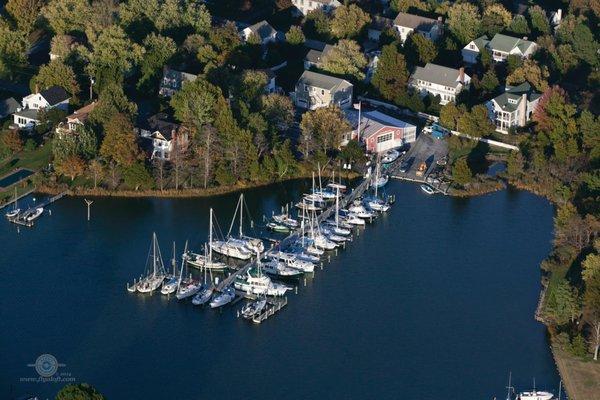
x,y
345,58
278,110
539,20
81,391
13,51
419,50
120,143
348,21
24,12
136,177
496,18
194,104
464,22
391,76
56,73
112,100
461,173
295,36
317,25
158,51
65,16
563,303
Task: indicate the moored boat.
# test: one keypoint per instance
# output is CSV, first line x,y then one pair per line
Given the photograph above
x,y
225,297
254,308
427,189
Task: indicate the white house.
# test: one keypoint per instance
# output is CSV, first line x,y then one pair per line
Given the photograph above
x,y
162,136
263,30
501,46
314,90
440,81
380,132
306,6
514,107
315,57
26,116
408,23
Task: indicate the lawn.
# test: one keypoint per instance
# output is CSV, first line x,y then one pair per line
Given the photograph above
x,y
581,378
34,160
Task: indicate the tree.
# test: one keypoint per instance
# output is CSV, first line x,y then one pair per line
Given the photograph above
x,y
24,12
595,337
530,72
158,50
519,25
62,47
112,101
345,58
590,132
317,25
11,139
581,38
406,5
250,88
490,81
194,104
295,36
114,53
82,144
391,75
495,19
352,152
136,176
56,73
71,166
475,123
278,110
461,173
562,304
96,169
449,115
66,16
13,51
419,49
322,129
81,391
464,22
348,21
120,142
515,164
539,20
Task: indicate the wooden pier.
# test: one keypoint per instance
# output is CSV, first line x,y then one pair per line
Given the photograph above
x,y
19,220
273,305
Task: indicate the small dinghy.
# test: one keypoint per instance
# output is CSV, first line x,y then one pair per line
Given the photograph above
x,y
427,189
390,156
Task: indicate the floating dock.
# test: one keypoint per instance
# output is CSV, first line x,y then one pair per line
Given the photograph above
x,y
273,305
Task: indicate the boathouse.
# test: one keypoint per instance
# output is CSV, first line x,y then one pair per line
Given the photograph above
x,y
380,132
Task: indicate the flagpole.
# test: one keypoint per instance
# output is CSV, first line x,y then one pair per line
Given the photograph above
x,y
358,131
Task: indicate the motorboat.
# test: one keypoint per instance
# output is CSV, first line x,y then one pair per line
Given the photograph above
x,y
255,282
279,269
293,261
254,308
203,295
381,181
231,249
390,156
535,395
427,189
34,214
277,227
225,297
353,219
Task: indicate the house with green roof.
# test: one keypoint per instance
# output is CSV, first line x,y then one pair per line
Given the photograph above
x,y
438,80
501,46
514,107
314,90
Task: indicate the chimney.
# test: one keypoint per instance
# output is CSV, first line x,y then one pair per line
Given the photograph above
x,y
37,88
461,74
524,37
559,15
439,20
523,110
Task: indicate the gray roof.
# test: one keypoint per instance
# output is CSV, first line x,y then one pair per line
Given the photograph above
x,y
437,74
323,81
510,99
8,106
314,44
481,42
263,29
380,23
316,56
28,113
54,95
506,43
414,22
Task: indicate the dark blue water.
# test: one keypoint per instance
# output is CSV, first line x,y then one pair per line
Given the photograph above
x,y
14,177
434,300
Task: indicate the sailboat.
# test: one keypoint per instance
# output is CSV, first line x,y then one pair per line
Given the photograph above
x,y
285,219
206,290
227,247
171,280
155,271
292,261
279,269
535,394
14,213
205,261
186,287
253,244
326,194
374,202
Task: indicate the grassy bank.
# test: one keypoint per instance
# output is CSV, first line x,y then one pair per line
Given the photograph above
x,y
581,379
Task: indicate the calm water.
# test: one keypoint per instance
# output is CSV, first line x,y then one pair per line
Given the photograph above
x,y
434,300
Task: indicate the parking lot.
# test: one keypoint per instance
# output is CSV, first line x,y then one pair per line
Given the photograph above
x,y
428,151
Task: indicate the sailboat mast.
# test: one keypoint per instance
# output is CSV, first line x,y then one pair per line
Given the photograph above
x,y
154,253
376,176
337,207
320,183
210,230
241,213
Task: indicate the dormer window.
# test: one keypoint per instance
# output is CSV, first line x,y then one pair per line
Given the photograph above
x,y
512,101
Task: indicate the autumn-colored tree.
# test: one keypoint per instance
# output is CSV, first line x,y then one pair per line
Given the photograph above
x,y
294,36
278,111
530,72
348,21
11,139
66,16
24,12
322,129
464,22
71,166
96,170
391,76
120,142
495,19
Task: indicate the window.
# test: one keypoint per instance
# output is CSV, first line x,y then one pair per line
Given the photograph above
x,y
384,138
472,46
322,92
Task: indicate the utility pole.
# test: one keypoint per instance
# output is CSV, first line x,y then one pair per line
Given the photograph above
x,y
89,203
91,85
